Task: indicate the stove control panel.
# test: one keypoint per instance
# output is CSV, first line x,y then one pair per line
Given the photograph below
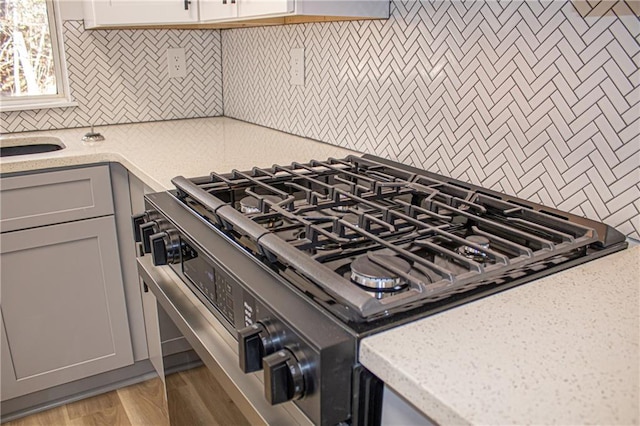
x,y
211,282
264,341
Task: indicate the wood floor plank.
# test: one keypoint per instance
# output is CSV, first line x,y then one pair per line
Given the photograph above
x,y
92,405
175,380
145,403
218,402
186,408
112,416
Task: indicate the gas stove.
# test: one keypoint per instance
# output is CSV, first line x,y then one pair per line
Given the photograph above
x,y
302,261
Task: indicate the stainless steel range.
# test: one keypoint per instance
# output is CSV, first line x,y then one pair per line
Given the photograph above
x,y
300,262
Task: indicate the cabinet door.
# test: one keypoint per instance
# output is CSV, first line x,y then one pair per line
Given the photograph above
x,y
212,10
257,8
131,12
63,308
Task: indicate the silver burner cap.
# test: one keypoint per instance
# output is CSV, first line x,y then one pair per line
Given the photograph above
x,y
367,273
249,204
473,253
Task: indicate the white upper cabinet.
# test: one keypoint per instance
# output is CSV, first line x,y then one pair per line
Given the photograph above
x,y
238,10
256,8
226,13
212,10
106,13
248,11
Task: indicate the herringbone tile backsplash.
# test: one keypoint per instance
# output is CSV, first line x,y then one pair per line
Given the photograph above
x,y
536,99
121,77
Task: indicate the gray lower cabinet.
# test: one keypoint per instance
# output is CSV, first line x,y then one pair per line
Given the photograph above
x,y
66,312
63,308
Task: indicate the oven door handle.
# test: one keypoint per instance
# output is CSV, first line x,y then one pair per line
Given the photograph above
x,y
214,345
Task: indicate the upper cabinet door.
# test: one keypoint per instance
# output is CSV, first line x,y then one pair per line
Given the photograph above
x,y
213,10
142,12
257,8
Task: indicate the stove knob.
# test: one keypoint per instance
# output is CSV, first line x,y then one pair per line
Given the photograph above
x,y
256,341
251,347
158,248
283,377
146,231
164,248
136,221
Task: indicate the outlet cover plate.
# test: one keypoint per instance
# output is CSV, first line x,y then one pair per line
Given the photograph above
x,y
296,76
176,63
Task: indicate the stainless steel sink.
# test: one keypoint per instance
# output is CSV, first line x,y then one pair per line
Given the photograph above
x,y
29,145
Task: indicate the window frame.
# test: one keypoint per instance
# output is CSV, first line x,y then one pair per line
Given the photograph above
x,y
63,98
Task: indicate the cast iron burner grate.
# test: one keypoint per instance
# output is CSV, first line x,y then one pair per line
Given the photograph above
x,y
427,236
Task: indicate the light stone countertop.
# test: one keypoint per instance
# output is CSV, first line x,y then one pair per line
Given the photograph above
x,y
157,152
562,350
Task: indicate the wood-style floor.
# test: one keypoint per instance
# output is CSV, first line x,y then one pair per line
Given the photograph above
x,y
144,404
196,398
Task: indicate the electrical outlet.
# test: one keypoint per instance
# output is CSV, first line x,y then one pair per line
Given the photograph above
x,y
176,63
296,72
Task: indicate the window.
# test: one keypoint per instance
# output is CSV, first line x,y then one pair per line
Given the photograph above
x,y
32,63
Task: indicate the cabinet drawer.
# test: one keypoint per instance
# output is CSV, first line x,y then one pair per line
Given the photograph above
x,y
53,197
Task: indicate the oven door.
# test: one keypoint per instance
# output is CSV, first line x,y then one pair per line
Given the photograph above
x,y
212,345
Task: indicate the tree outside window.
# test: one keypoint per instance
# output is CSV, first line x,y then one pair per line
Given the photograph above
x,y
26,54
31,56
